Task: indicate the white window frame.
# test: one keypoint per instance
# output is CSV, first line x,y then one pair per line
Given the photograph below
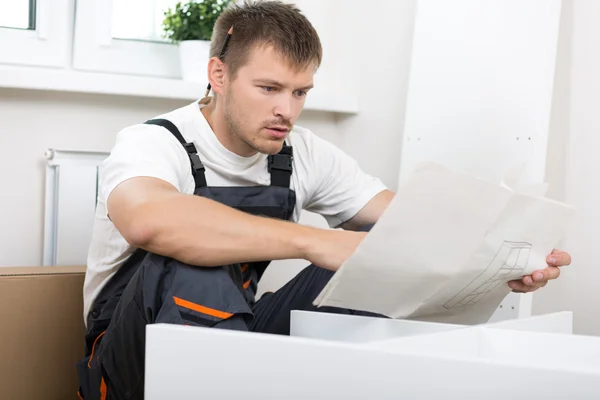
x,y
48,45
95,49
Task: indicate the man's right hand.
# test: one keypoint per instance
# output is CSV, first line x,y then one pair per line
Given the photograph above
x,y
329,249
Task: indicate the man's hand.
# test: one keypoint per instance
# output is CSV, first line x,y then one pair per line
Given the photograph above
x,y
330,248
538,279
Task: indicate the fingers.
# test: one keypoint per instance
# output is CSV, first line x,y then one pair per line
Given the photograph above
x,y
527,280
517,286
520,287
558,258
541,276
536,280
548,274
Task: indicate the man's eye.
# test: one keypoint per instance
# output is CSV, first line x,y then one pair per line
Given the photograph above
x,y
268,88
300,93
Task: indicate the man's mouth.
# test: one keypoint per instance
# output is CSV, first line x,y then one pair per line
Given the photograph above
x,y
279,128
278,132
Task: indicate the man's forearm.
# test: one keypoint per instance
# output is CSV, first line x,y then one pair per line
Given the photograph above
x,y
153,215
200,231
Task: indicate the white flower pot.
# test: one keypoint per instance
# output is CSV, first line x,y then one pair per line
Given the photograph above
x,y
194,55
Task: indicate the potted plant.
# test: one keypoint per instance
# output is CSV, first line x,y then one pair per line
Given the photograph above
x,y
190,25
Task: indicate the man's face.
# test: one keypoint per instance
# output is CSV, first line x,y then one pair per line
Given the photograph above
x,y
264,100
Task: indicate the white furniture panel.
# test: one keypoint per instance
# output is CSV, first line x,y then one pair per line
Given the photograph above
x,y
480,92
560,322
538,350
359,329
480,88
186,362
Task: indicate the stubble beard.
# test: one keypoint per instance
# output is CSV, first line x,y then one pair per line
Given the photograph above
x,y
237,132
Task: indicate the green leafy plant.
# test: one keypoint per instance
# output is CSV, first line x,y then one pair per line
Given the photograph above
x,y
193,20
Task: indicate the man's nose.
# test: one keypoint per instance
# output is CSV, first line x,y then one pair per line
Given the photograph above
x,y
285,107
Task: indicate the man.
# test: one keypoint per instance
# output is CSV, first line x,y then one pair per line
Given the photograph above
x,y
192,205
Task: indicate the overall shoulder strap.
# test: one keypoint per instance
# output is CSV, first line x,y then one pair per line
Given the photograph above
x,y
280,166
196,163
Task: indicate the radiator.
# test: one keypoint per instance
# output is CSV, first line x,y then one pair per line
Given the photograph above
x,y
70,203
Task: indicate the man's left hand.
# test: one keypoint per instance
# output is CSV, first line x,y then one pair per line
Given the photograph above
x,y
538,279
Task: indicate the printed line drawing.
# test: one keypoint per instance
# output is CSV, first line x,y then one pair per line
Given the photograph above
x,y
509,262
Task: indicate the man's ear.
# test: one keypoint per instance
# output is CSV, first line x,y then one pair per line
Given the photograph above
x,y
216,74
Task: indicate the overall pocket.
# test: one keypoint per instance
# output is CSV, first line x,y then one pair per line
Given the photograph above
x,y
208,297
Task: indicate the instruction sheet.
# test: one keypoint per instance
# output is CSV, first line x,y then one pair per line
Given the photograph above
x,y
446,247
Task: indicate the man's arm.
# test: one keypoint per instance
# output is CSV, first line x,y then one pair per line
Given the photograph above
x,y
371,212
152,214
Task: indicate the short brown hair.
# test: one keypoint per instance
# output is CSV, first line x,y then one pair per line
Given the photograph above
x,y
266,23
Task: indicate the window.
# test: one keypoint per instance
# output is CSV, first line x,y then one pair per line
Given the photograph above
x,y
148,22
116,47
109,39
19,14
35,32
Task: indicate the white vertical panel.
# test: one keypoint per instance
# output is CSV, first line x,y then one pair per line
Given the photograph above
x,y
480,91
578,288
481,84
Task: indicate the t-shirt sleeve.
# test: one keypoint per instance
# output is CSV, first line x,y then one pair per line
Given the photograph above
x,y
340,187
144,150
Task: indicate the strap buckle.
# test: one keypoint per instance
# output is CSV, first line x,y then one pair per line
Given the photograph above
x,y
281,162
190,148
194,157
196,163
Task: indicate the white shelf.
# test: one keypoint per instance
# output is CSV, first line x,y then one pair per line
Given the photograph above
x,y
65,80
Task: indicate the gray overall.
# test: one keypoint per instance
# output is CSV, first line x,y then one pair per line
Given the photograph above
x,y
150,288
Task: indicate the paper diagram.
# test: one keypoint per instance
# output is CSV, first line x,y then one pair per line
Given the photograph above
x,y
509,263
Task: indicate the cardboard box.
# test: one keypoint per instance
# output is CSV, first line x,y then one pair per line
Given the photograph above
x,y
41,332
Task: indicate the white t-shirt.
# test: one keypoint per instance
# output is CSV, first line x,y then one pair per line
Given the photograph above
x,y
326,180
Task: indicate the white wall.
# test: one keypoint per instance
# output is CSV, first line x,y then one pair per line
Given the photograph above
x,y
574,155
383,49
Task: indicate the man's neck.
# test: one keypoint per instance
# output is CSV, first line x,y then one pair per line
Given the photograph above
x,y
216,119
